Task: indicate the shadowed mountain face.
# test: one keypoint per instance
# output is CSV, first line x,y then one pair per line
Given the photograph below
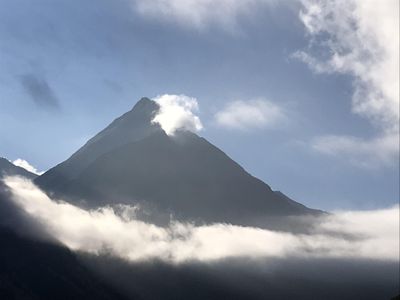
x,y
34,266
9,169
133,161
37,270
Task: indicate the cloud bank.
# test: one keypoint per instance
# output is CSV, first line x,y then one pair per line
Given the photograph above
x,y
19,162
359,38
250,114
369,234
177,112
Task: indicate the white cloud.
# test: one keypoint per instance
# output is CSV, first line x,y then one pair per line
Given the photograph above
x,y
371,153
177,112
27,166
199,14
376,233
250,114
359,38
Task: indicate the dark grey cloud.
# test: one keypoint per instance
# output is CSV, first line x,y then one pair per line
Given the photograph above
x,y
39,90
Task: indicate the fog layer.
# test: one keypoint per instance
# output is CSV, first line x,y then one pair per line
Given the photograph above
x,y
366,234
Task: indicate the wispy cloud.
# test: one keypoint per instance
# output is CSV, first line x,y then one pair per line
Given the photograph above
x,y
373,153
177,112
27,166
199,14
369,234
359,38
39,90
251,114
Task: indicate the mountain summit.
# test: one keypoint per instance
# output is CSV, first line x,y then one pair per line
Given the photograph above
x,y
133,161
130,127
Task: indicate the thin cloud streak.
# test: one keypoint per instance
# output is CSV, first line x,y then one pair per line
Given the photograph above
x,y
375,153
199,14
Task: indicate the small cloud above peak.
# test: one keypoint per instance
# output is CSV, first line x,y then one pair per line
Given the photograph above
x,y
177,112
27,166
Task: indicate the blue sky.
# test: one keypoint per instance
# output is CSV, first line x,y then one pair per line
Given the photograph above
x,y
303,94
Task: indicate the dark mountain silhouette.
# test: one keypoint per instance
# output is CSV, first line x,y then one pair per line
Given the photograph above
x,y
296,278
31,269
9,169
133,161
34,266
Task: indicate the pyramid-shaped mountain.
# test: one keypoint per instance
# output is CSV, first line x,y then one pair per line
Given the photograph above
x,y
133,161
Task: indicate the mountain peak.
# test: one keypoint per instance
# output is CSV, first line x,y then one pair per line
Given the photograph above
x,y
144,101
132,126
145,105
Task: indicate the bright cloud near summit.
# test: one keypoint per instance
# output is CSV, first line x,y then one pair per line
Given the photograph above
x,y
177,112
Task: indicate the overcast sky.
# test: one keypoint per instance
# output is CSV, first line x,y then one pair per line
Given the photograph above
x,y
303,94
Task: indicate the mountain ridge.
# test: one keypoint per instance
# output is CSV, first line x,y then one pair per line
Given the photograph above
x,y
7,168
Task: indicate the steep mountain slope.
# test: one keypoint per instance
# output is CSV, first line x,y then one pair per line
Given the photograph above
x,y
9,169
133,161
132,126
